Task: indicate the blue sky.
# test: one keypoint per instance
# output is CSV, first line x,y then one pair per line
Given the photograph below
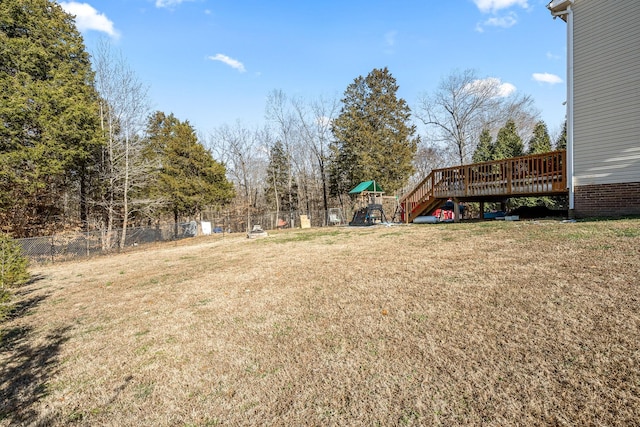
x,y
214,62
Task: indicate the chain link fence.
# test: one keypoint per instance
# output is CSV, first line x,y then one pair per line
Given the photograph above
x,y
72,245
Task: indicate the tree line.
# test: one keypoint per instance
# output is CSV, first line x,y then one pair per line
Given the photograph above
x,y
81,149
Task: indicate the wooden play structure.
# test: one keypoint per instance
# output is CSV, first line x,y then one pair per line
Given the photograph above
x,y
370,199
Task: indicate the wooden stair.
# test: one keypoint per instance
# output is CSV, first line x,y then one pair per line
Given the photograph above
x,y
421,199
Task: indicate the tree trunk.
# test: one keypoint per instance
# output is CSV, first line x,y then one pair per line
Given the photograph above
x,y
83,199
125,195
175,223
325,202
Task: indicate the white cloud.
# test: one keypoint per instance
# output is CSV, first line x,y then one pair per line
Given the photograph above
x,y
552,56
390,38
506,89
502,21
499,20
390,41
324,121
169,3
547,78
87,18
505,21
493,85
233,63
487,6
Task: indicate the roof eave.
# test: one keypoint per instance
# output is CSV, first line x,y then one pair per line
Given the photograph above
x,y
559,8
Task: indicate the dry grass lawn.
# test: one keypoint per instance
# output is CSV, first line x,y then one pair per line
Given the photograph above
x,y
496,324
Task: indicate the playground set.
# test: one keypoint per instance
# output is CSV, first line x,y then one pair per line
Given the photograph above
x,y
372,202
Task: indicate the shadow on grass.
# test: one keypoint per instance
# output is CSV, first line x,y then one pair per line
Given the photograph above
x,y
27,362
24,302
609,218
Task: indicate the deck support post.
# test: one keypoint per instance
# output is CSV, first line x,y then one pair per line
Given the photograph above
x,y
481,210
456,210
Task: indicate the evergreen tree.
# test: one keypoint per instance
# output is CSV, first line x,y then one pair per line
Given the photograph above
x,y
188,179
561,142
13,271
277,193
508,142
373,139
49,116
540,142
484,150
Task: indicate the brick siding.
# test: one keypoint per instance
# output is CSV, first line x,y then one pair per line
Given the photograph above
x,y
611,200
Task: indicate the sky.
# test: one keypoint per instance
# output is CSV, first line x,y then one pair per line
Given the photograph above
x,y
214,62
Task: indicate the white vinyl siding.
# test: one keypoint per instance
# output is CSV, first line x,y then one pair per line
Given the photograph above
x,y
606,91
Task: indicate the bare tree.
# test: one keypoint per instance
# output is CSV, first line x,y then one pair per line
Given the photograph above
x,y
314,120
124,107
244,154
463,105
429,156
521,110
284,121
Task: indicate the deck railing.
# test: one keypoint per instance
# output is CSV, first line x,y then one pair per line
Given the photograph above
x,y
533,175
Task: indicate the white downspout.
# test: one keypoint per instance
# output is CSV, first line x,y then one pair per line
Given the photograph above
x,y
570,108
570,182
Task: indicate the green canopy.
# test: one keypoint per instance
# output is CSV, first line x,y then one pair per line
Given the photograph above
x,y
370,186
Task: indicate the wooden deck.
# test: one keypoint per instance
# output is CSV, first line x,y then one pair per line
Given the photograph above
x,y
535,175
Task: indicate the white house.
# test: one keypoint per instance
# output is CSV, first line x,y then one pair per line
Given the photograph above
x,y
603,105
